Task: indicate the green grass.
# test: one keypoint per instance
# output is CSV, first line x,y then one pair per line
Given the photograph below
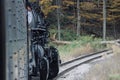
x,y
80,46
114,77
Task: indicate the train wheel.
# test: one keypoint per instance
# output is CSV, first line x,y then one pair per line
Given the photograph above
x,y
54,65
54,69
44,69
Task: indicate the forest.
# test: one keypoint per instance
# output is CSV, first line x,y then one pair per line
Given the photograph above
x,y
62,15
82,27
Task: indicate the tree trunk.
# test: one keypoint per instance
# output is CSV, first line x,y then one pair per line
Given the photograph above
x,y
104,20
58,18
78,17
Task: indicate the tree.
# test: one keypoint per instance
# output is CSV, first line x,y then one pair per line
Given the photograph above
x,y
58,18
91,16
78,19
47,6
104,20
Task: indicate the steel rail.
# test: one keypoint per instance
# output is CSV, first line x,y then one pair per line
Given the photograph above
x,y
84,56
69,65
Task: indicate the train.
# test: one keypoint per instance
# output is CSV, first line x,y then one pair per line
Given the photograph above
x,y
25,53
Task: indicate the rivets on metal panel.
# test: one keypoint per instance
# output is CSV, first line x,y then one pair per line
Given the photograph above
x,y
15,53
9,10
18,1
14,14
15,40
14,27
13,1
11,72
18,20
10,41
16,66
15,78
20,58
9,25
10,57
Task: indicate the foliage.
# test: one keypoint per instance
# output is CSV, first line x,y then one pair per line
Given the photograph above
x,y
83,45
67,35
91,14
88,9
47,6
87,6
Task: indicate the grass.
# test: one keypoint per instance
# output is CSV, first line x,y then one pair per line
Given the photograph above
x,y
81,46
114,77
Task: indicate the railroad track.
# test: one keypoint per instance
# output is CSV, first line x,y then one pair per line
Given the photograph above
x,y
67,66
118,43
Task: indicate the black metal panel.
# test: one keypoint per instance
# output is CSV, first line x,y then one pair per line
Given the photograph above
x,y
2,40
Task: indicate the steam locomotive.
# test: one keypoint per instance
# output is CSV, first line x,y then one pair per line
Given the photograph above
x,y
25,53
45,59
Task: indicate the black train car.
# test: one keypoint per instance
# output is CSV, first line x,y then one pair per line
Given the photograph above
x,y
44,59
24,50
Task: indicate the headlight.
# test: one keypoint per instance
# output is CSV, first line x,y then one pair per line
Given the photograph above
x,y
30,17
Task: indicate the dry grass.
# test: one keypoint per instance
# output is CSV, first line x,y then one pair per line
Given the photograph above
x,y
65,57
116,49
83,50
108,70
75,52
